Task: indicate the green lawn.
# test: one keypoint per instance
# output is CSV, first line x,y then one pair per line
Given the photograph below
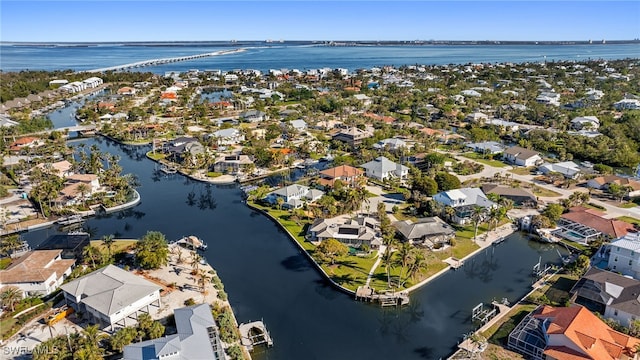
x,y
626,205
629,219
499,332
156,156
379,280
117,247
542,192
477,157
522,170
557,289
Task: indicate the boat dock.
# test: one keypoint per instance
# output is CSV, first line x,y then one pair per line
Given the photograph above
x,y
254,333
366,293
454,263
191,242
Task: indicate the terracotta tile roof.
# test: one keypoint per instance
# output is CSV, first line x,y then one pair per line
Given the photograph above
x,y
34,267
83,177
24,141
384,118
594,339
342,171
609,179
593,219
432,132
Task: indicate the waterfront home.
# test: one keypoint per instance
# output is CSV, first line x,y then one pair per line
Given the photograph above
x,y
569,333
182,147
382,168
112,297
612,295
624,255
583,225
353,232
25,143
463,201
348,175
585,123
232,164
568,169
253,116
519,196
352,136
91,180
37,273
294,196
92,82
603,183
521,156
392,144
487,147
229,136
197,337
61,169
428,232
6,122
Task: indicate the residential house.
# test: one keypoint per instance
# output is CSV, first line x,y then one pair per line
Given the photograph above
x,y
508,126
477,117
603,182
612,295
564,333
93,82
37,273
358,232
627,104
487,147
197,337
91,180
298,125
363,99
519,196
253,116
293,196
182,147
352,136
230,136
392,144
382,168
521,156
568,169
428,232
463,201
232,164
126,91
348,175
112,297
585,123
61,169
25,143
583,225
624,255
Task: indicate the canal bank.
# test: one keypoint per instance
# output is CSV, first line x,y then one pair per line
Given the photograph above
x,y
268,278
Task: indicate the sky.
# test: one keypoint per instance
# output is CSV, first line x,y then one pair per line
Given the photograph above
x,y
184,20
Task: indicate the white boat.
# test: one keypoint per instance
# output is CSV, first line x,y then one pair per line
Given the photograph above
x,y
68,220
168,170
193,242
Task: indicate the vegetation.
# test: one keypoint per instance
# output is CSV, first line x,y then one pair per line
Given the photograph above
x,y
152,251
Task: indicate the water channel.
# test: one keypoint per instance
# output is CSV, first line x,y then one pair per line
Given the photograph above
x,y
268,278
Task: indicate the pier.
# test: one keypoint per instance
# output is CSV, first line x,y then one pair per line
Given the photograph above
x,y
254,333
366,293
154,62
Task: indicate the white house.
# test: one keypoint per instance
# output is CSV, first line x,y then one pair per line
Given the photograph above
x,y
93,82
521,156
112,297
294,195
253,116
364,99
299,125
391,144
625,255
569,169
382,168
352,232
230,136
37,273
585,122
627,104
197,337
463,201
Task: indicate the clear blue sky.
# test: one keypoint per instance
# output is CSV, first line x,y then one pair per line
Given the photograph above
x,y
183,20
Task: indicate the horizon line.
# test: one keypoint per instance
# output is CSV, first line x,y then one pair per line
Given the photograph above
x,y
284,41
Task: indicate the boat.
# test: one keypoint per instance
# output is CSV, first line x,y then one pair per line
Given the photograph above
x,y
68,220
168,169
192,242
499,240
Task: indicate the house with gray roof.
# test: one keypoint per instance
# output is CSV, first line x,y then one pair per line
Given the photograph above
x,y
624,256
253,116
392,144
294,196
521,156
112,297
463,201
353,232
198,337
382,168
585,122
428,232
610,294
228,136
568,169
298,125
519,196
487,147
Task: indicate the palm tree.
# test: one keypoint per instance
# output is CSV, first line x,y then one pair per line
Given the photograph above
x,y
83,189
418,264
204,280
477,216
108,241
403,258
10,296
195,261
91,253
10,244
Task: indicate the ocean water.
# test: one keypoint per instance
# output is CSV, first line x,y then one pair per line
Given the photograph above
x,y
293,56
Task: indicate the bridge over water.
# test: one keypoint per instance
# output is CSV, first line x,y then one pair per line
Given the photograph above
x,y
154,62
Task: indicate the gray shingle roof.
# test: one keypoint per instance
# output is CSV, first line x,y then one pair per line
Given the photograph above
x,y
430,226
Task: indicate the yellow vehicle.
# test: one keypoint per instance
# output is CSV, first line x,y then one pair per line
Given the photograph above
x,y
60,314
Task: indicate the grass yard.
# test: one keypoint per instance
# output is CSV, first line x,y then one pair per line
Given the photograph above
x,y
434,265
156,156
117,247
499,332
542,192
522,170
557,289
626,205
477,157
629,219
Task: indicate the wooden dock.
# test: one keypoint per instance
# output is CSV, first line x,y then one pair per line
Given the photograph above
x,y
254,333
366,293
454,263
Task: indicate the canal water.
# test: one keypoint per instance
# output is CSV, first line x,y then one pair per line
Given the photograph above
x,y
268,278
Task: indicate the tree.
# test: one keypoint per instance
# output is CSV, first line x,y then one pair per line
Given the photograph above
x,y
83,189
10,244
447,181
477,216
331,249
553,212
9,296
152,251
122,338
91,253
108,241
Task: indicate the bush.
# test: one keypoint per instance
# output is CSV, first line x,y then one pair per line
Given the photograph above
x,y
189,302
235,352
222,295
